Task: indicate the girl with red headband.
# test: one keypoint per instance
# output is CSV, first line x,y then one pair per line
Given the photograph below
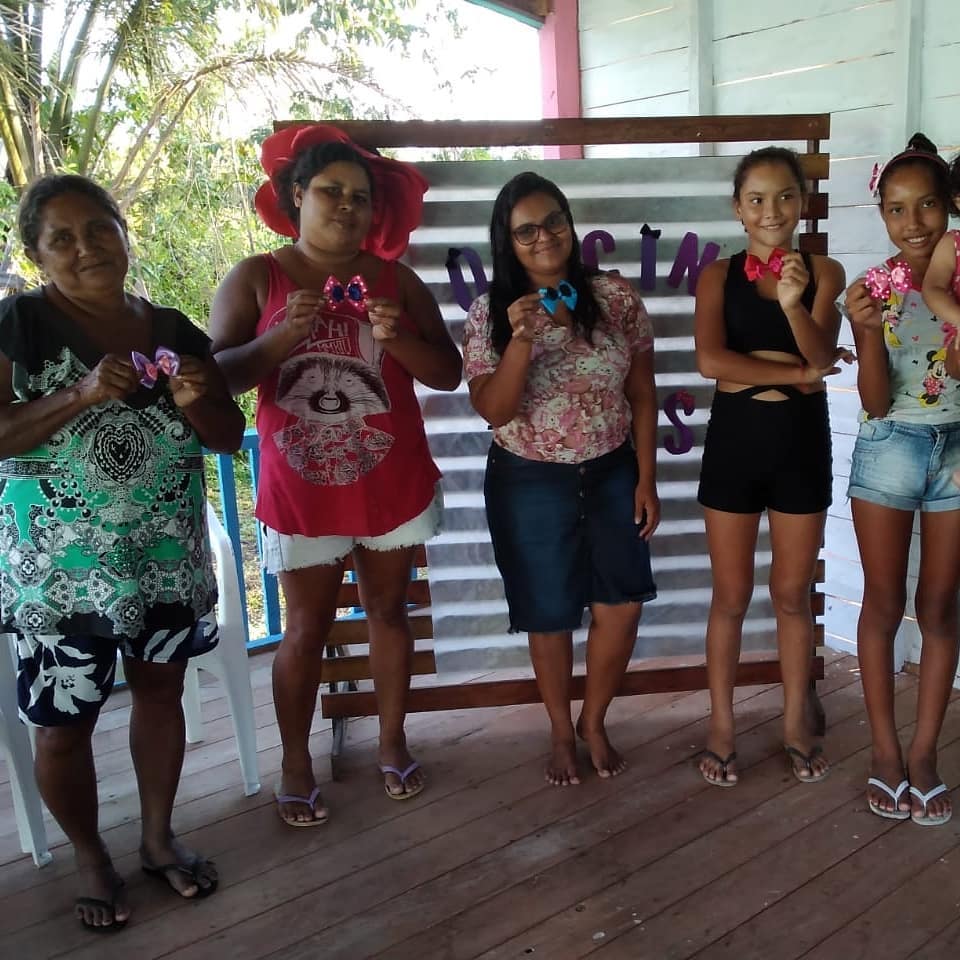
x,y
333,332
766,329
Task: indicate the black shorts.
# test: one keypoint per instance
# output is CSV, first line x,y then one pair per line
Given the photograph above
x,y
761,454
564,537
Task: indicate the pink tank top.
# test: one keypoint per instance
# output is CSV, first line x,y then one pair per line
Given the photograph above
x,y
956,265
342,444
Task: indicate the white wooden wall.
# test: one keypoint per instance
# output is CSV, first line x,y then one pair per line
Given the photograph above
x,y
882,68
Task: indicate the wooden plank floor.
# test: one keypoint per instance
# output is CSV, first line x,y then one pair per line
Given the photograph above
x,y
491,862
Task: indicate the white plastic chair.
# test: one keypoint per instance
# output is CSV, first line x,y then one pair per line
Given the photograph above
x,y
227,661
16,738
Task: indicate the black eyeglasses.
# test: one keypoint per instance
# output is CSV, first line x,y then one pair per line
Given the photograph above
x,y
555,223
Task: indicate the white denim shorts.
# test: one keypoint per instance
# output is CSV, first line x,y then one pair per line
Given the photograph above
x,y
285,551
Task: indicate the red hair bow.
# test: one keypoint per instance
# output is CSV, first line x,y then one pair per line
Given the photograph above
x,y
755,268
398,188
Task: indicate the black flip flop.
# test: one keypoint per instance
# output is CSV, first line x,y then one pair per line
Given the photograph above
x,y
723,762
807,760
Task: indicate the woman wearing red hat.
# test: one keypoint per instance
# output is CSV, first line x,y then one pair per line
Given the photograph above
x,y
333,332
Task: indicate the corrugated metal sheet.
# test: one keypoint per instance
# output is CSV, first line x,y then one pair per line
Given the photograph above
x,y
676,196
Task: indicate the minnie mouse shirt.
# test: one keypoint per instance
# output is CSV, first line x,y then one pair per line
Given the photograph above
x,y
917,343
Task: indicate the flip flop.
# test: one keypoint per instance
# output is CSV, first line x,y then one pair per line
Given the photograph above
x,y
925,798
189,869
807,760
310,801
894,795
723,762
110,905
403,775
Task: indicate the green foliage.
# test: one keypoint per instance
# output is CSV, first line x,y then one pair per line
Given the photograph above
x,y
156,63
151,128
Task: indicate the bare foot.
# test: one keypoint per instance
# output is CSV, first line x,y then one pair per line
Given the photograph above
x,y
397,756
185,871
924,777
561,768
889,771
605,759
301,786
102,900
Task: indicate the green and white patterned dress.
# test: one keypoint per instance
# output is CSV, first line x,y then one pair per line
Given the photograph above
x,y
102,527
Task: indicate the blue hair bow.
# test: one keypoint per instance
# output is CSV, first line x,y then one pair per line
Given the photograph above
x,y
564,292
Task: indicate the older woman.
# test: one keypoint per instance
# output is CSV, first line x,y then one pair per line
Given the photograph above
x,y
560,362
333,333
105,400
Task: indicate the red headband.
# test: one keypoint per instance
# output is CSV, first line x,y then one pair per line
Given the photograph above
x,y
398,188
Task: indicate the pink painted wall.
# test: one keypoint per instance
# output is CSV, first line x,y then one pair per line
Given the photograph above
x,y
560,71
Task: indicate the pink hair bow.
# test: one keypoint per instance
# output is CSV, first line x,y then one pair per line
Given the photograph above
x,y
755,268
881,282
164,361
352,297
874,185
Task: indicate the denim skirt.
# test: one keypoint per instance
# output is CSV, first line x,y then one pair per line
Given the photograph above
x,y
565,537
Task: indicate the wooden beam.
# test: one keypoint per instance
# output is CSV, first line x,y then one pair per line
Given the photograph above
x,y
340,669
700,62
501,693
533,12
583,131
909,65
418,593
354,632
560,72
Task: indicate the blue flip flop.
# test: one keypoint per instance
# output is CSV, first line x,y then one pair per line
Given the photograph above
x,y
404,775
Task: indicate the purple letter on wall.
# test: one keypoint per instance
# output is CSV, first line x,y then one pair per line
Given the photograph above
x,y
687,261
455,273
588,247
682,441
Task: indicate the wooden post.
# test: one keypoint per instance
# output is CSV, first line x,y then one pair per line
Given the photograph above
x,y
560,72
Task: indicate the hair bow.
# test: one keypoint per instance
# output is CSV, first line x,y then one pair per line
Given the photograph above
x,y
874,185
353,296
564,291
164,361
755,268
880,281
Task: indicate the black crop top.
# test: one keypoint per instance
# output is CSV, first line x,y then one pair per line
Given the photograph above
x,y
752,322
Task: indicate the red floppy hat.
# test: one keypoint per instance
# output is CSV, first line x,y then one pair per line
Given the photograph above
x,y
398,188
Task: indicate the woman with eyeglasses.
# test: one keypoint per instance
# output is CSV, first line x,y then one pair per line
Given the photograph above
x,y
559,361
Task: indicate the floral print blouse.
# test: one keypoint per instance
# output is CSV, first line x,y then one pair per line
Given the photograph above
x,y
573,406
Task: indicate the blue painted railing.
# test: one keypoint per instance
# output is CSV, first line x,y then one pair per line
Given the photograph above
x,y
230,513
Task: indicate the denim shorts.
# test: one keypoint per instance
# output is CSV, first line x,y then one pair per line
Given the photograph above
x,y
906,466
564,537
